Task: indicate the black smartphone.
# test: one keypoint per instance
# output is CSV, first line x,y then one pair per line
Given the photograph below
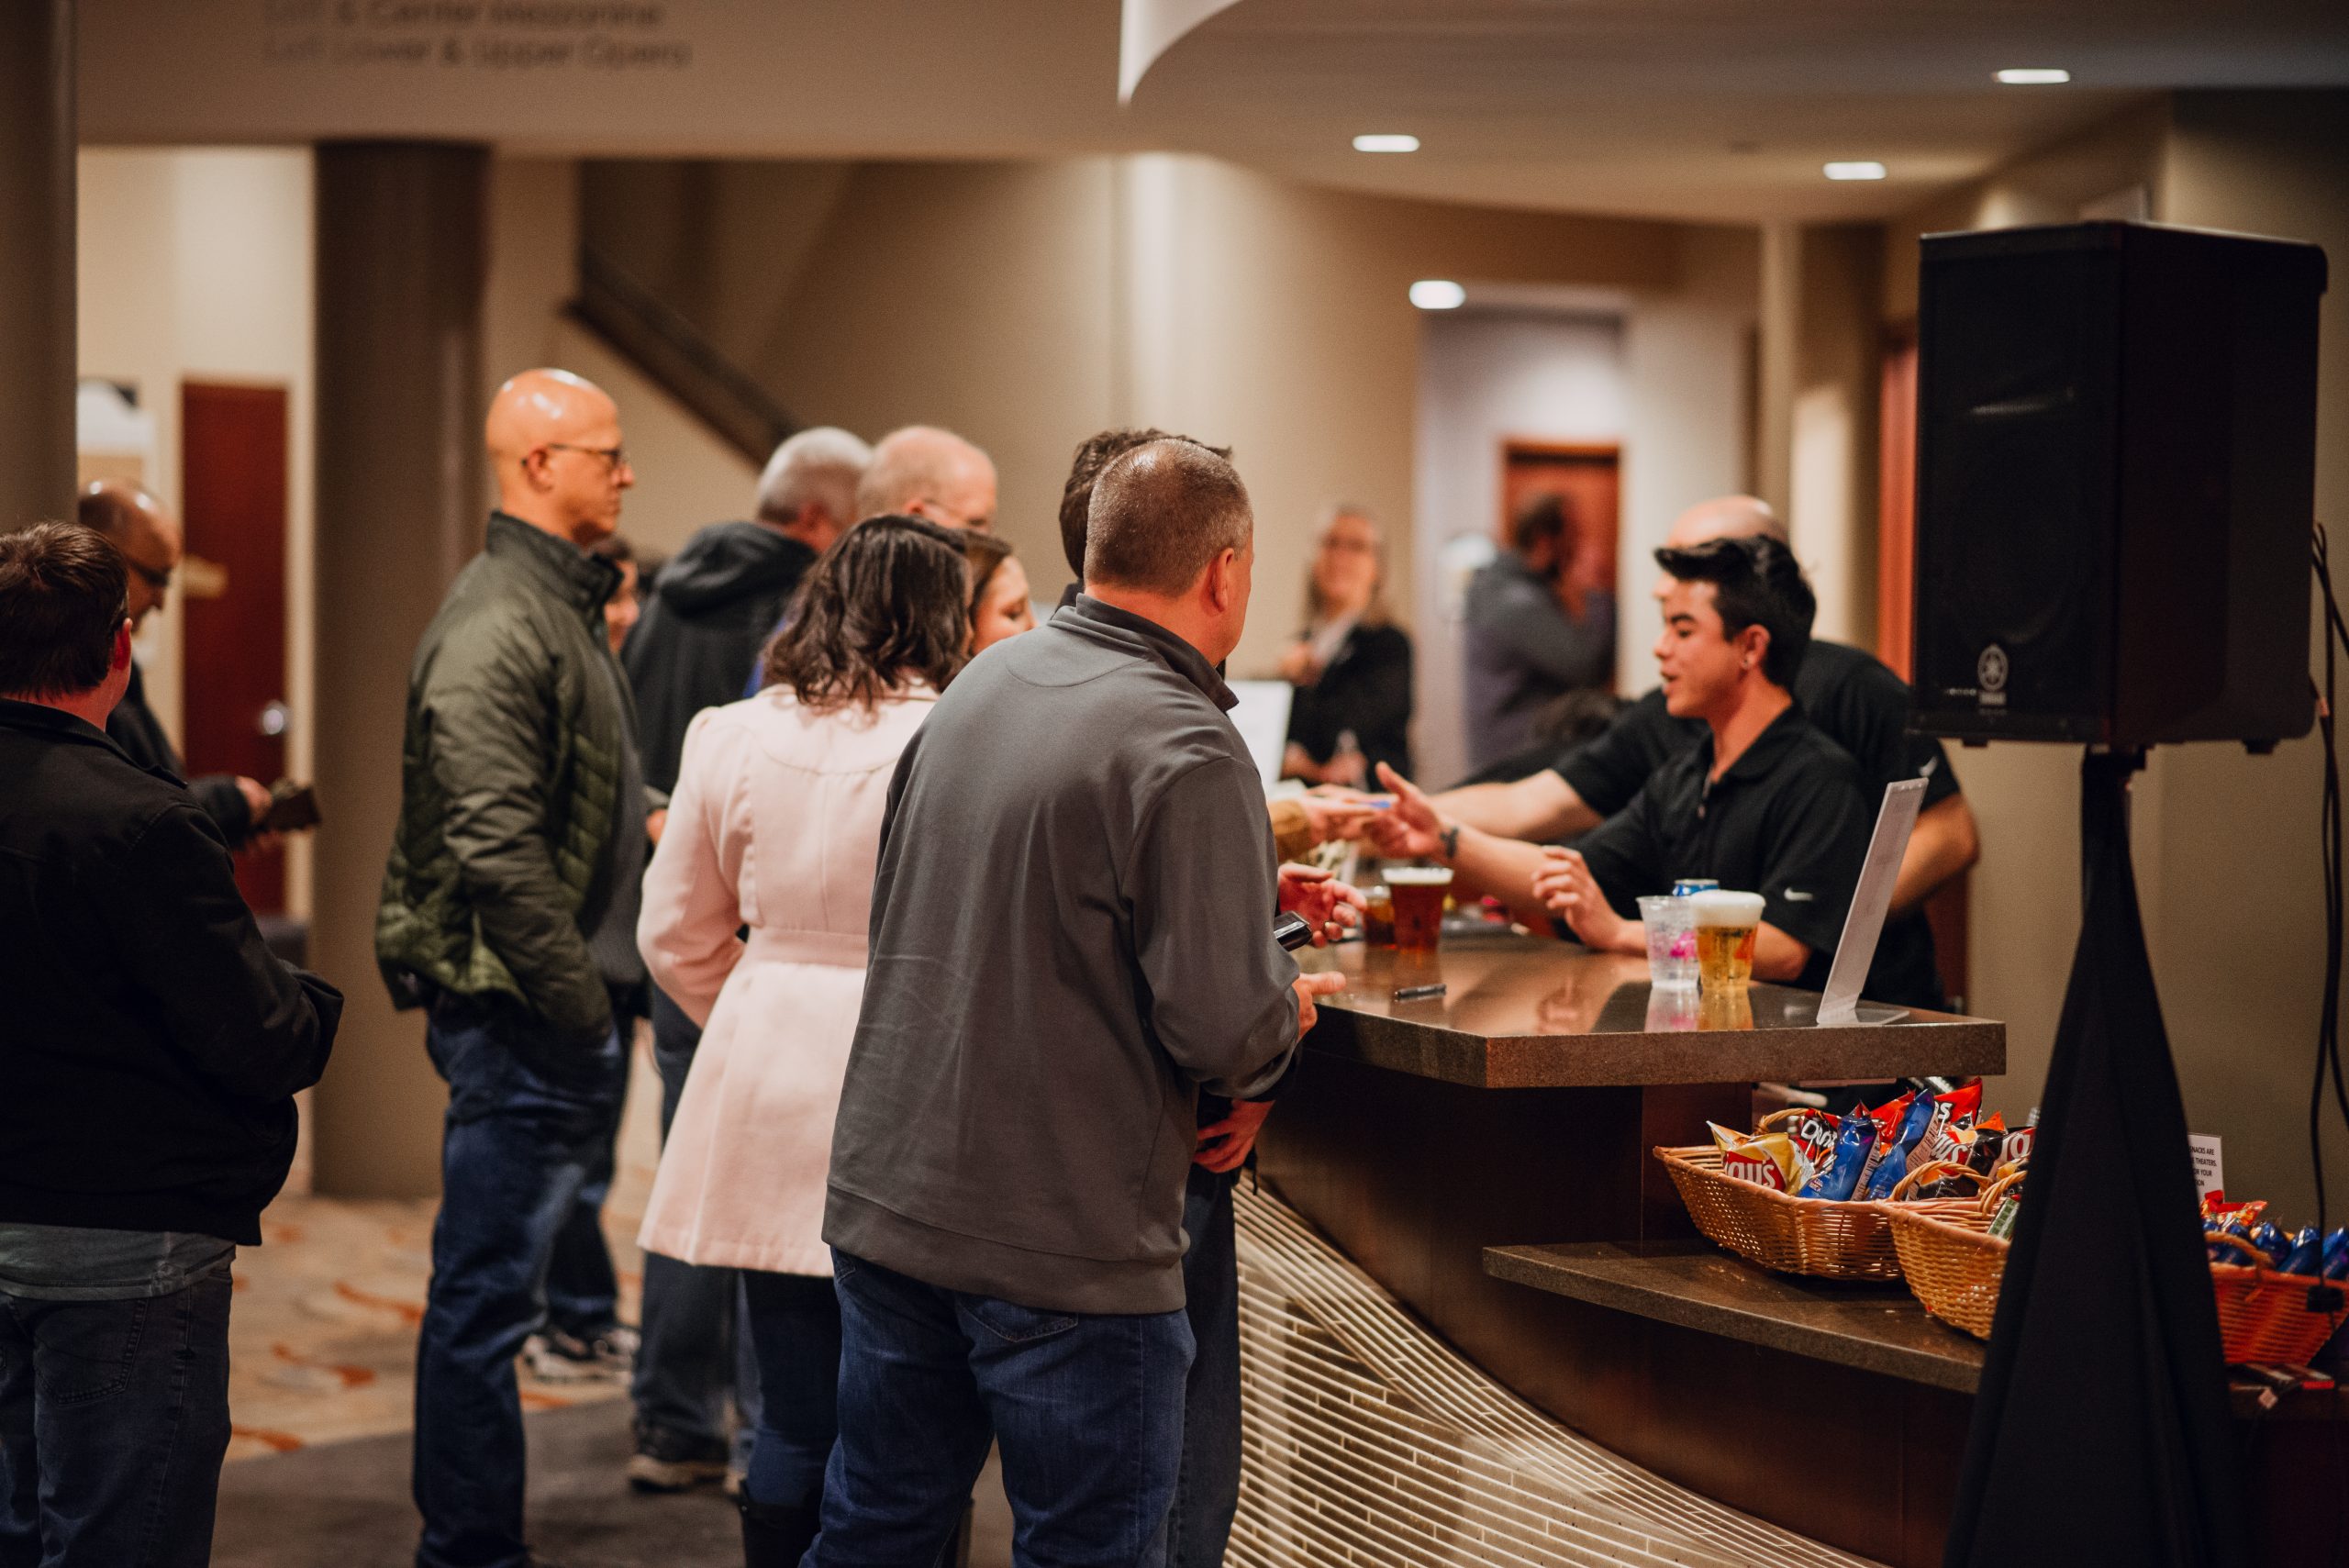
x,y
1292,932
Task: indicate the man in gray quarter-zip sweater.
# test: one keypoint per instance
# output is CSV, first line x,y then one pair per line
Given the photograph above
x,y
1072,936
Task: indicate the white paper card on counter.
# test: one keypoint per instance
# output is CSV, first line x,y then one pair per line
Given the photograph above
x,y
2210,1169
1261,718
1864,921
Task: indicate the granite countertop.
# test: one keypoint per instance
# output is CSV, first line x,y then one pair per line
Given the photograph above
x,y
1527,1012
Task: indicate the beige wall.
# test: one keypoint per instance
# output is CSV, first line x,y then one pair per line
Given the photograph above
x,y
2225,843
1030,304
2235,925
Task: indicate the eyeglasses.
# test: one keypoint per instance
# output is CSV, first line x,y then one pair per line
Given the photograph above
x,y
159,580
615,457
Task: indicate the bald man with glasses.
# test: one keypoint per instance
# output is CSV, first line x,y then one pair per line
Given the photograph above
x,y
149,541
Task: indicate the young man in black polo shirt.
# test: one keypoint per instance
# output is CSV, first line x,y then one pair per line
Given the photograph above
x,y
1850,696
1762,802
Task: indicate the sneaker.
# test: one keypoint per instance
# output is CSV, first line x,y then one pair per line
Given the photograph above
x,y
555,1356
665,1462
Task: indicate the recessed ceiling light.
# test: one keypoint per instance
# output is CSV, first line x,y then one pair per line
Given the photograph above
x,y
1438,294
1387,143
2033,76
1859,168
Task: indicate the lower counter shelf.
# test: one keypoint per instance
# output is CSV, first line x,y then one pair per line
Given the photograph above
x,y
1874,1328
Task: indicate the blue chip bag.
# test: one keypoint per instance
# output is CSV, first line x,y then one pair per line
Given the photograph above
x,y
1892,1162
1838,1178
2305,1255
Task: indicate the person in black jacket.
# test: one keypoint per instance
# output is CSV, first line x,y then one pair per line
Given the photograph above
x,y
1352,668
698,641
152,1048
151,541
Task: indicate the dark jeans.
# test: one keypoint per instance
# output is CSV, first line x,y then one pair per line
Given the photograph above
x,y
793,1322
691,1357
114,1416
582,1293
1086,1410
529,1119
1206,1494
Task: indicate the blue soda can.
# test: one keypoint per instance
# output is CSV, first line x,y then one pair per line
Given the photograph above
x,y
1688,885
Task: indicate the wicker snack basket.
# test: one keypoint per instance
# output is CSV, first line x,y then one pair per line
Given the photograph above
x,y
1790,1235
1953,1263
2264,1316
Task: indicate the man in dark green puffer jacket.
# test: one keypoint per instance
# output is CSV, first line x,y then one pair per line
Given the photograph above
x,y
509,913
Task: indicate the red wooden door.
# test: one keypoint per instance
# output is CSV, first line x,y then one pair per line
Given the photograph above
x,y
233,500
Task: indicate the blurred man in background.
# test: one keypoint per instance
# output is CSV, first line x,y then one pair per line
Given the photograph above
x,y
151,543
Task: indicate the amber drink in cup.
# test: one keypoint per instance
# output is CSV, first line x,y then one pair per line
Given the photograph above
x,y
1727,927
1418,892
1378,917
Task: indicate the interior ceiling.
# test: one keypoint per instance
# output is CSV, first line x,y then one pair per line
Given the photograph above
x,y
1701,110
1719,110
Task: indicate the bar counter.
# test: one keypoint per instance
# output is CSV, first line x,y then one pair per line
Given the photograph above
x,y
1518,1110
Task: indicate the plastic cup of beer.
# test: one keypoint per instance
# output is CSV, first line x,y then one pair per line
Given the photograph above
x,y
1378,917
1727,924
1672,942
1418,892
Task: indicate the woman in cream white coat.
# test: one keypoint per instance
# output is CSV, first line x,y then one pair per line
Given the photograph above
x,y
775,826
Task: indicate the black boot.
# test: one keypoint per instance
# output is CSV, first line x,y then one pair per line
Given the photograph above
x,y
776,1537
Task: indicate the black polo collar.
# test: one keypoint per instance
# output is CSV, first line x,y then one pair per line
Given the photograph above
x,y
1180,656
1779,736
581,579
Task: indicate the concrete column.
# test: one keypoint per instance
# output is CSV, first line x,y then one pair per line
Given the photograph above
x,y
402,259
37,346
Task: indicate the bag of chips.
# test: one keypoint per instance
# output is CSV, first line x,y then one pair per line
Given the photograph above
x,y
1766,1159
1838,1178
1891,1161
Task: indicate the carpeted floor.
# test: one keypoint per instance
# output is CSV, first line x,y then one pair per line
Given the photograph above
x,y
345,1505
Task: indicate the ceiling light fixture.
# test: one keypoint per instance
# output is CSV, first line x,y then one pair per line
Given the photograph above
x,y
1438,294
1387,143
2033,76
1858,169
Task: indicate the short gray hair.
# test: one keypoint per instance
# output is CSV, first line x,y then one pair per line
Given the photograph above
x,y
1160,514
821,467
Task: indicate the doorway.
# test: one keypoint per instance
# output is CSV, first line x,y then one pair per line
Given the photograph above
x,y
232,502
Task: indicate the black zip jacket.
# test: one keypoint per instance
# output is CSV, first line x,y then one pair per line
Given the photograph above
x,y
709,614
150,1043
134,727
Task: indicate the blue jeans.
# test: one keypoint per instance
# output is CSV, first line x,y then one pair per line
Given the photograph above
x,y
691,1357
793,1322
114,1416
529,1119
1206,1494
1086,1410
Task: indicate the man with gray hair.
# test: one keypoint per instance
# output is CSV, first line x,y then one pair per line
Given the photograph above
x,y
1076,844
698,641
924,471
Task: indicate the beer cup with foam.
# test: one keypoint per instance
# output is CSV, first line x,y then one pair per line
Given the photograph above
x,y
1727,926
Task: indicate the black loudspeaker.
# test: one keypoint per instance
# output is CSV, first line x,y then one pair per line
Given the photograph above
x,y
2116,475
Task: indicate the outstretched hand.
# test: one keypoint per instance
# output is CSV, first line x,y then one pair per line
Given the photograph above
x,y
1410,830
1326,903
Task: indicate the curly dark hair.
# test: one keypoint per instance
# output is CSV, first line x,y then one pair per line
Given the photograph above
x,y
887,605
